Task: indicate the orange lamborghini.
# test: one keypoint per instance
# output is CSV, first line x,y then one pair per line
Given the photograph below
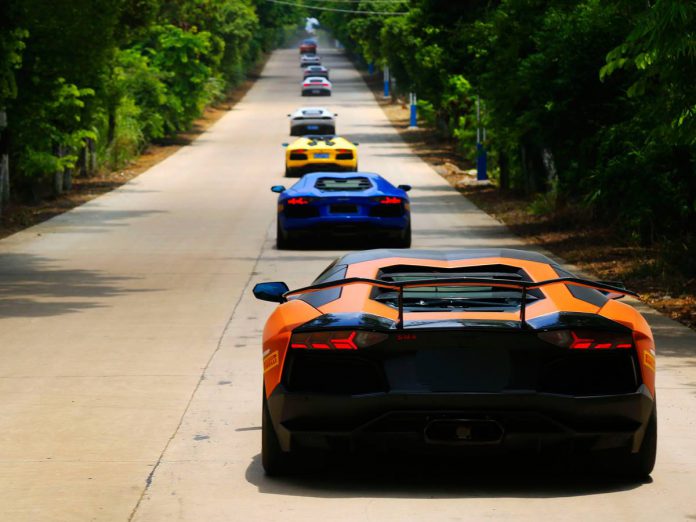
x,y
457,351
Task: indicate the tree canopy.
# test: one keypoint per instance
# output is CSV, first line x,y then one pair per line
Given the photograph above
x,y
589,102
119,72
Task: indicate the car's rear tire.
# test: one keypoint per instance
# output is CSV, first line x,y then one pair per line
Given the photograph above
x,y
405,240
274,460
632,466
283,241
638,466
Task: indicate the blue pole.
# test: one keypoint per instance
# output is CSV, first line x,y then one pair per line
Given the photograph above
x,y
481,162
370,68
386,81
414,116
481,156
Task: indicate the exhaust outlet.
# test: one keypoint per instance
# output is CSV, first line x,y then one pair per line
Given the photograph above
x,y
463,431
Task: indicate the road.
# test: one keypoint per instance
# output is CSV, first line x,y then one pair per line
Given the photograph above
x,y
130,346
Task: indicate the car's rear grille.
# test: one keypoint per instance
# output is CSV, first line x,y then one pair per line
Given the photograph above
x,y
296,156
345,156
328,373
297,211
343,209
387,211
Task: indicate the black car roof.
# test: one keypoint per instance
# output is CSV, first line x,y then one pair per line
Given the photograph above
x,y
445,255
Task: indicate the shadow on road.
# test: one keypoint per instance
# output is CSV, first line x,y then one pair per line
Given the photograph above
x,y
439,479
30,286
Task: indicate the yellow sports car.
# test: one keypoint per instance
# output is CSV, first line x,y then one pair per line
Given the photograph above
x,y
320,153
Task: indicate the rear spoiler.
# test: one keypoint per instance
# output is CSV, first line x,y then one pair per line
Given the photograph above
x,y
522,286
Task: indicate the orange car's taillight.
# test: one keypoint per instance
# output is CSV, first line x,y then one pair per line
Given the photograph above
x,y
335,340
587,340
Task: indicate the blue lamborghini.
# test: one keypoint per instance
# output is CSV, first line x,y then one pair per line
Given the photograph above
x,y
360,205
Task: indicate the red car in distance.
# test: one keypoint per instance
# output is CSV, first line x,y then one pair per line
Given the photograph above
x,y
308,46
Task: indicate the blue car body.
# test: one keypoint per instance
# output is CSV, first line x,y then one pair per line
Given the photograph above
x,y
357,204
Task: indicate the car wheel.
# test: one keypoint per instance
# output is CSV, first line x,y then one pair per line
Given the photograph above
x,y
405,240
282,238
638,466
274,460
288,172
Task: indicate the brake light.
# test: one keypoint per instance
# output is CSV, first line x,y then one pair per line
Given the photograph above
x,y
335,340
298,201
299,151
389,200
587,340
340,151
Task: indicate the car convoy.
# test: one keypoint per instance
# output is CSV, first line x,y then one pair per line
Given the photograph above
x,y
465,352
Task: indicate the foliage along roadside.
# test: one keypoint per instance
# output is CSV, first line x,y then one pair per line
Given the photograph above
x,y
590,104
113,75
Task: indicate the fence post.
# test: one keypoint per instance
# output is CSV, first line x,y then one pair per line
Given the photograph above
x,y
386,81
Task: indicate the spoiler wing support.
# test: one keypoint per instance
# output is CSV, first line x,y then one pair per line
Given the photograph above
x,y
522,286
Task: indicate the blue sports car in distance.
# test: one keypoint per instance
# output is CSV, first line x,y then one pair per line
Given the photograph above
x,y
343,205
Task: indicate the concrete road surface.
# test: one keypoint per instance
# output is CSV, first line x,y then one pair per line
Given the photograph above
x,y
130,346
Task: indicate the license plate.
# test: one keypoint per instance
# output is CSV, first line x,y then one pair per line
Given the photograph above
x,y
312,127
321,155
316,91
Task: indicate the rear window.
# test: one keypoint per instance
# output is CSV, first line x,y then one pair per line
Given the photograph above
x,y
356,184
455,298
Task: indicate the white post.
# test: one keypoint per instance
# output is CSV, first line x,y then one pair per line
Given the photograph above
x,y
4,164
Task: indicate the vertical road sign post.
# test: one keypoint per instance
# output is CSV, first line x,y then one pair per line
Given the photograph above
x,y
413,123
386,81
4,161
481,156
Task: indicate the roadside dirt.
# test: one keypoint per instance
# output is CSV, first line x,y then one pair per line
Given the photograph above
x,y
17,216
596,250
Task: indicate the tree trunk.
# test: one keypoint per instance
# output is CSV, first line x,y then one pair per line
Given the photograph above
x,y
58,174
4,180
67,180
504,166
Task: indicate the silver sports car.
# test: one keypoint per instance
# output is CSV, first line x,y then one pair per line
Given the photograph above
x,y
312,120
315,86
309,59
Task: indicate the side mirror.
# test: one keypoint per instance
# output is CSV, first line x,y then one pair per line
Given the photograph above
x,y
277,189
272,292
285,144
356,143
289,115
405,188
335,114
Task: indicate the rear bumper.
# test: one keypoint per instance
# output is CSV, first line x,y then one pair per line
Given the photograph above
x,y
318,165
316,91
405,421
348,225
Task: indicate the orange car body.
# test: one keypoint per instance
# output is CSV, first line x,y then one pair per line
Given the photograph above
x,y
560,311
